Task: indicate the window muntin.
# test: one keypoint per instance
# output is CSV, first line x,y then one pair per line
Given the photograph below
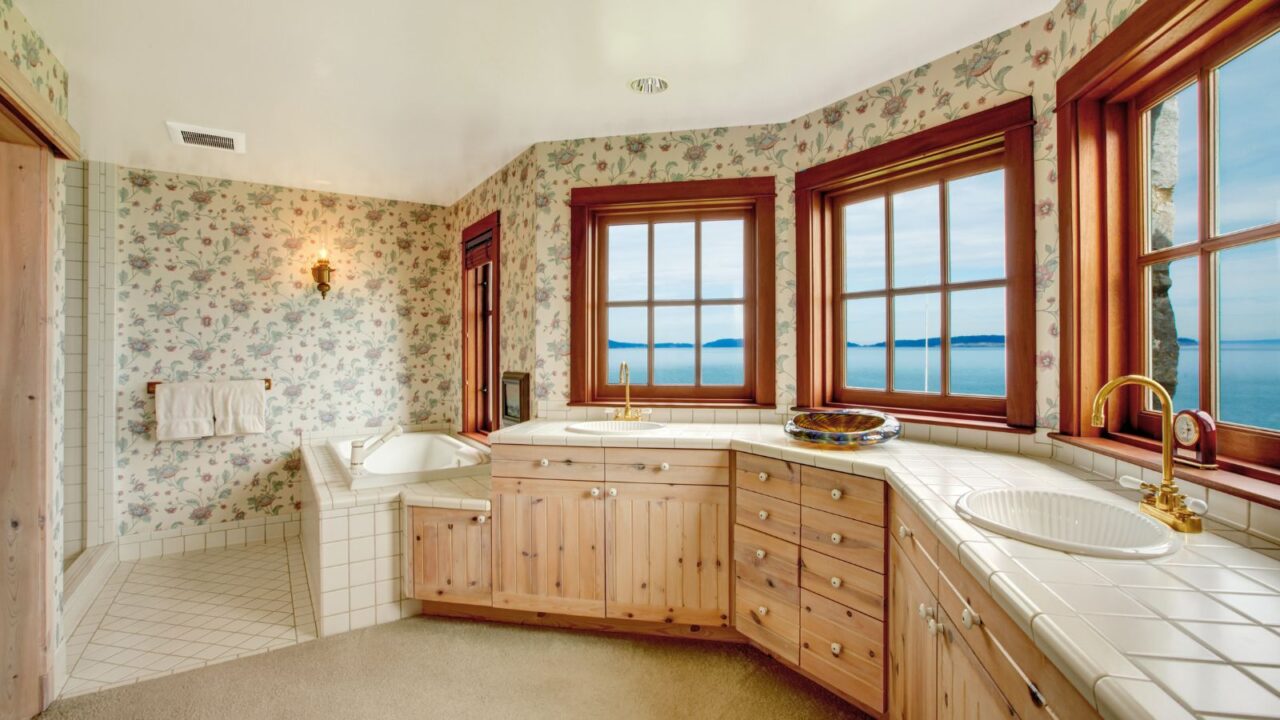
x,y
941,297
682,316
1210,249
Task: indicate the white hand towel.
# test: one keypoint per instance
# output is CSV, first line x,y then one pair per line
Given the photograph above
x,y
184,411
239,407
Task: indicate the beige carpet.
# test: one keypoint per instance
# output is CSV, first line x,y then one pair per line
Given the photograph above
x,y
436,668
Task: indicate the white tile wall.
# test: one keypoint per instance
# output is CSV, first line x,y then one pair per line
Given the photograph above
x,y
99,327
75,512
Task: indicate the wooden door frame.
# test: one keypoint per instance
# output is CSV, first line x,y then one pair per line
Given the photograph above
x,y
490,223
32,135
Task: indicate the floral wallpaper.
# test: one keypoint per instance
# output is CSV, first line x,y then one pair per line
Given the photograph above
x,y
28,52
216,283
510,191
1025,60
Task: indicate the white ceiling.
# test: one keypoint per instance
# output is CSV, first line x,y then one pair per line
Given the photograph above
x,y
422,99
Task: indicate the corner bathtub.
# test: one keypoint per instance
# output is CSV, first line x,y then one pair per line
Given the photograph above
x,y
412,458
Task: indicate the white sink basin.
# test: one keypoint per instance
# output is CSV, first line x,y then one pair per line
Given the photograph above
x,y
1069,523
614,427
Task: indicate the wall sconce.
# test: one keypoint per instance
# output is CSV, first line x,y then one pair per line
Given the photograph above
x,y
320,272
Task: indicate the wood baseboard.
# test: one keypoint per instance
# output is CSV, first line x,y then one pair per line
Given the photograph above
x,y
714,633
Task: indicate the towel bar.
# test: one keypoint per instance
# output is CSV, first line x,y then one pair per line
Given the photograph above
x,y
151,385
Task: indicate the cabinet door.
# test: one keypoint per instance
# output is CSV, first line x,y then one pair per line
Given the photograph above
x,y
452,556
913,651
549,542
965,690
668,553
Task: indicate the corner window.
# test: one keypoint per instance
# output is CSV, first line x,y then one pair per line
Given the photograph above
x,y
676,281
916,273
480,302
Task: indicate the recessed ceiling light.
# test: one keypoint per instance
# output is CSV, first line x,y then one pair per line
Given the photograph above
x,y
649,85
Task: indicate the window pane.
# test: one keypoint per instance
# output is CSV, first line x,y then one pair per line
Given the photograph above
x,y
977,342
723,276
1248,144
722,351
917,238
917,355
1173,172
1173,290
628,338
975,221
628,262
864,245
1249,335
673,266
673,345
864,353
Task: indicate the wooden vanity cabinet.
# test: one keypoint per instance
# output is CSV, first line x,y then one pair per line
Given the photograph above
x,y
451,556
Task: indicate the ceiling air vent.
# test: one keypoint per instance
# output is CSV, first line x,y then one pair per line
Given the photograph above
x,y
196,136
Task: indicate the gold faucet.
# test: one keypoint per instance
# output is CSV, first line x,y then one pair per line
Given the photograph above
x,y
1163,501
627,413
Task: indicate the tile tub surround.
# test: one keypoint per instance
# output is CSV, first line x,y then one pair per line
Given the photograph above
x,y
353,544
1131,636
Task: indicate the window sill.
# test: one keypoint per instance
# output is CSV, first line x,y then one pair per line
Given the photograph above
x,y
477,437
1261,491
643,404
970,422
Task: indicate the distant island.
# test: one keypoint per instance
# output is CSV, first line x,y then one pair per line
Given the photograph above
x,y
721,343
957,341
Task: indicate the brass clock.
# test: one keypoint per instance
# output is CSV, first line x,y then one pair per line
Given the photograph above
x,y
1195,439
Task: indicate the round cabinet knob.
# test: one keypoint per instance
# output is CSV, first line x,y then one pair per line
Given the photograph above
x,y
665,466
925,611
836,648
836,582
760,554
544,462
763,476
836,538
904,532
935,627
764,514
613,492
480,519
970,618
595,492
762,611
836,494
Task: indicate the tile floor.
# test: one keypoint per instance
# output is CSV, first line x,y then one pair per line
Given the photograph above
x,y
168,614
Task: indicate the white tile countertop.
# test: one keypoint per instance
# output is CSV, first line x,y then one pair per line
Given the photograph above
x,y
1192,634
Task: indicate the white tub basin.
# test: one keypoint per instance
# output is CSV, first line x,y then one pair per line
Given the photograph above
x,y
614,427
1070,523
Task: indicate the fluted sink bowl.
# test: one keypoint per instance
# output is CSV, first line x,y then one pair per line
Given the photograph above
x,y
614,427
844,428
1069,523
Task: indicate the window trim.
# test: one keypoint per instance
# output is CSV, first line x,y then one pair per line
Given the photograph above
x,y
1159,48
490,224
1003,131
590,207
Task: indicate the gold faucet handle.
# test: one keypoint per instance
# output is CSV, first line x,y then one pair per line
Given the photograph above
x,y
1132,483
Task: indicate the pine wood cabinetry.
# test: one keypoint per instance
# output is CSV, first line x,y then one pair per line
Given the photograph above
x,y
452,556
953,652
667,553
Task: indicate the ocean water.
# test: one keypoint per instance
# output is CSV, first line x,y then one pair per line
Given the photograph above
x,y
1249,373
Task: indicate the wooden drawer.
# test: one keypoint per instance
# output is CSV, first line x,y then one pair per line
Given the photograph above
x,y
843,647
769,565
850,585
843,494
768,476
671,467
1004,650
547,462
769,515
771,623
918,544
850,540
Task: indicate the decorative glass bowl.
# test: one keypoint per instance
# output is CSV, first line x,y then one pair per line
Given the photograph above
x,y
844,428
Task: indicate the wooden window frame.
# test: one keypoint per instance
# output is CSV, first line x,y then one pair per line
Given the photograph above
x,y
477,419
1161,47
592,207
998,137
